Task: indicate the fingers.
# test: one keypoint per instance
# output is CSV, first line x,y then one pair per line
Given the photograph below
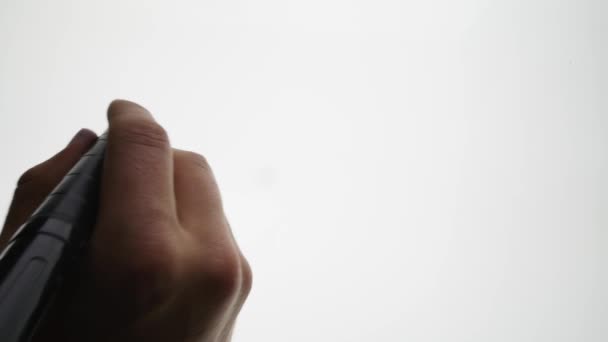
x,y
200,212
137,181
196,192
36,183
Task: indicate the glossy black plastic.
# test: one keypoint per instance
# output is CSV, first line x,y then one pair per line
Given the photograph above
x,y
45,250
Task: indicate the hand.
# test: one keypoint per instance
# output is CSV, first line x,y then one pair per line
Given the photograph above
x,y
163,264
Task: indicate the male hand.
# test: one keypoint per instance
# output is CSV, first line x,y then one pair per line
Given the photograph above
x,y
163,264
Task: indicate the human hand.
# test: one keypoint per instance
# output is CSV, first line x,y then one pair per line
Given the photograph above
x,y
163,264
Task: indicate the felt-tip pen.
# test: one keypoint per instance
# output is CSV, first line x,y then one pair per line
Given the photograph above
x,y
47,248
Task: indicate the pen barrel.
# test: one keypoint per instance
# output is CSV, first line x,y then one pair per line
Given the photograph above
x,y
46,249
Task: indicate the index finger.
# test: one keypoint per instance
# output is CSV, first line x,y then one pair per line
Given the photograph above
x,y
137,179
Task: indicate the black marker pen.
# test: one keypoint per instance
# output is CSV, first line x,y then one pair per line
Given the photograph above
x,y
46,248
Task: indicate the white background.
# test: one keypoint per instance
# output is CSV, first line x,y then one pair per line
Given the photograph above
x,y
429,170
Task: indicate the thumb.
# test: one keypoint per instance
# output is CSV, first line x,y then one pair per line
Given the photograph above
x,y
37,182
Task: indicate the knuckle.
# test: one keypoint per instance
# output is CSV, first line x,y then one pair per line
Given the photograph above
x,y
144,133
27,176
37,174
223,274
247,277
198,159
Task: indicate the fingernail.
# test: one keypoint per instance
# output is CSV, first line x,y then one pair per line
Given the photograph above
x,y
122,108
81,134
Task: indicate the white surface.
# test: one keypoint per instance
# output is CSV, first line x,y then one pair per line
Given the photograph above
x,y
394,170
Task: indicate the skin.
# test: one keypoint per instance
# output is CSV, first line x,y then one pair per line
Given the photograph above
x,y
163,264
